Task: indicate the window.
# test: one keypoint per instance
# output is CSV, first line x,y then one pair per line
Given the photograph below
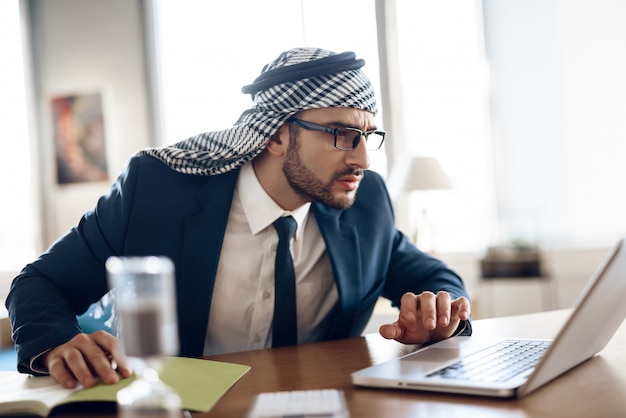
x,y
205,50
17,231
558,103
444,77
521,101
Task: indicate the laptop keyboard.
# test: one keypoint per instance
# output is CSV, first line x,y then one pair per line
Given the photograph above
x,y
497,363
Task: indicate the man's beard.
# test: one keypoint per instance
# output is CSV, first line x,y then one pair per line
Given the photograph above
x,y
306,184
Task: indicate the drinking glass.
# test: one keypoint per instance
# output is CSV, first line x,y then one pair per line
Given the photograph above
x,y
146,325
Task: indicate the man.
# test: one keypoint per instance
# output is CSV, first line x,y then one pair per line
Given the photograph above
x,y
209,204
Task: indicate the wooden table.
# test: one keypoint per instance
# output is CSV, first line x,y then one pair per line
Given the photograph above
x,y
596,388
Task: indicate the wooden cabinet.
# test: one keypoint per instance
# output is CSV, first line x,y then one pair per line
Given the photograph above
x,y
507,296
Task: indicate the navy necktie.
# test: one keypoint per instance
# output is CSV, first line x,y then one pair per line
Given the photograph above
x,y
285,324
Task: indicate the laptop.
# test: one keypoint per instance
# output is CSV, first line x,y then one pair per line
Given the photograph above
x,y
475,365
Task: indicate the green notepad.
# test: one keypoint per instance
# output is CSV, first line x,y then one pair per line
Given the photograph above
x,y
199,383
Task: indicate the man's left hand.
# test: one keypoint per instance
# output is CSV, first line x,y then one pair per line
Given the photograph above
x,y
427,317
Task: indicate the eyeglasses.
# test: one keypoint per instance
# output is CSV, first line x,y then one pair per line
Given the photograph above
x,y
346,139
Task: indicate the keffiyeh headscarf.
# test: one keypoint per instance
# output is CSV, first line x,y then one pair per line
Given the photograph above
x,y
299,79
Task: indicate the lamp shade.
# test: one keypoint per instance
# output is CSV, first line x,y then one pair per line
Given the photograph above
x,y
416,173
425,173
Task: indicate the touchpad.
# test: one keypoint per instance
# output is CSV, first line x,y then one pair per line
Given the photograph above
x,y
434,355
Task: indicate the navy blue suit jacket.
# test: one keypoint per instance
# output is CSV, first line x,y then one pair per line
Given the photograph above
x,y
153,210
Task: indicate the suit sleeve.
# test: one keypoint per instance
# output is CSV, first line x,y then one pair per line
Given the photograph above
x,y
48,294
412,270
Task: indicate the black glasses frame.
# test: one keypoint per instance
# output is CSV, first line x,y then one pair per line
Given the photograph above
x,y
310,126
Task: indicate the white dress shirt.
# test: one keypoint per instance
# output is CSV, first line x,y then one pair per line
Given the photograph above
x,y
243,299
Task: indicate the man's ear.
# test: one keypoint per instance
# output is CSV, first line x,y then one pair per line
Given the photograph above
x,y
277,144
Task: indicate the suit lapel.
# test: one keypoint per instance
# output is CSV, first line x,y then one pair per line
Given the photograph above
x,y
342,243
204,234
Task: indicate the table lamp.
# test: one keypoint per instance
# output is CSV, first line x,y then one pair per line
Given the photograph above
x,y
419,174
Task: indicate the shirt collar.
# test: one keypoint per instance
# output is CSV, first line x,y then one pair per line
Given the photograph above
x,y
260,209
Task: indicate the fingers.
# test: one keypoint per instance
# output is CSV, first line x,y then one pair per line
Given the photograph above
x,y
390,331
85,358
117,358
414,324
421,310
67,364
427,317
461,308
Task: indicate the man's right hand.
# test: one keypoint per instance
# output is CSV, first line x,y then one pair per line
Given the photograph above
x,y
87,357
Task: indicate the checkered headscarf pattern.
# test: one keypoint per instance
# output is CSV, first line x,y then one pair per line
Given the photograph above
x,y
217,152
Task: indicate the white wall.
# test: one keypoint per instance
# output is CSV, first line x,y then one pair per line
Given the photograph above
x,y
558,99
84,46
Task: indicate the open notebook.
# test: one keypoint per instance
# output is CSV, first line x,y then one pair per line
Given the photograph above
x,y
199,383
483,365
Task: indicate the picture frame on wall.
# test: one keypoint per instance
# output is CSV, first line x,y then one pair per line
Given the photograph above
x,y
79,138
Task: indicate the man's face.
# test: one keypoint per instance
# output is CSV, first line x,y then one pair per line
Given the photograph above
x,y
315,169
